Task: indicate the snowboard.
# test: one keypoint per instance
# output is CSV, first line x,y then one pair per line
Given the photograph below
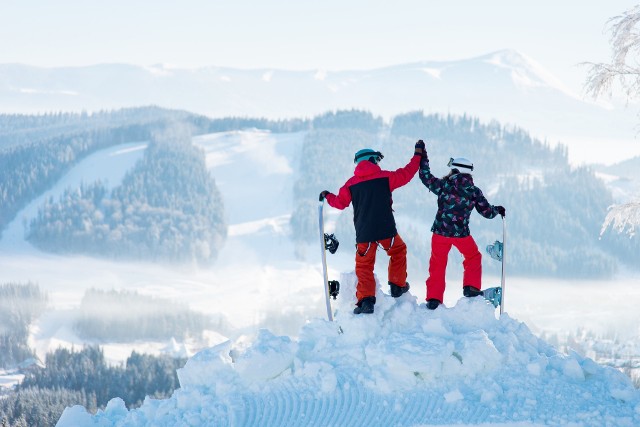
x,y
495,295
330,243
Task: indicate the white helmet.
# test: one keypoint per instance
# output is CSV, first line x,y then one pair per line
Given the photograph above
x,y
462,164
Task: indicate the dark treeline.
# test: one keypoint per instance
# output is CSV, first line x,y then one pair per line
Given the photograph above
x,y
36,150
121,316
84,378
23,129
20,305
26,171
350,119
167,208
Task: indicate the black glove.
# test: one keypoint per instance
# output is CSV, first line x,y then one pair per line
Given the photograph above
x,y
420,148
501,210
323,195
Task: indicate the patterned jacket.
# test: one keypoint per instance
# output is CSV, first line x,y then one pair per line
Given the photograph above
x,y
457,197
370,191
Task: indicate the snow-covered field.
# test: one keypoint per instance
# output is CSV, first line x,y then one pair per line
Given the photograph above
x,y
258,282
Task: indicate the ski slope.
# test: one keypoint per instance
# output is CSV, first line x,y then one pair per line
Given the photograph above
x,y
401,366
108,166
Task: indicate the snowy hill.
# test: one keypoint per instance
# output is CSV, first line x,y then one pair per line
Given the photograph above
x,y
504,85
623,178
401,366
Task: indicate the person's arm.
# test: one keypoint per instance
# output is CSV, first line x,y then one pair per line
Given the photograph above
x,y
402,176
433,183
340,201
485,208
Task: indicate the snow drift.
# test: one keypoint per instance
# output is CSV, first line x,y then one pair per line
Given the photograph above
x,y
401,366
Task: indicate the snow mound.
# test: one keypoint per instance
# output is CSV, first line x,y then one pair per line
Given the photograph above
x,y
401,366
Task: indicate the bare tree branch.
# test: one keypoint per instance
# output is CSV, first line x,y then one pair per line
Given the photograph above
x,y
623,218
624,67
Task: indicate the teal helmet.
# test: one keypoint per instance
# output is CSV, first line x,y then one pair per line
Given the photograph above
x,y
368,154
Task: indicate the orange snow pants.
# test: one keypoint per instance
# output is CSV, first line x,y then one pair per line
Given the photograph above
x,y
366,259
440,247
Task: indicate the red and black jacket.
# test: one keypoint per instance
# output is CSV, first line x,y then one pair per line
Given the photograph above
x,y
370,191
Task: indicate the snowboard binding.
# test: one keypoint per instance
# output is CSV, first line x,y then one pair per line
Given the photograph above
x,y
493,295
334,288
331,243
495,251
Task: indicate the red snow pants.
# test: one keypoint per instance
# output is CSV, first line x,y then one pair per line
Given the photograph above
x,y
440,247
366,259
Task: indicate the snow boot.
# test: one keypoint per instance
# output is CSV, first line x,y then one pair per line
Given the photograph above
x,y
470,291
365,305
432,304
396,290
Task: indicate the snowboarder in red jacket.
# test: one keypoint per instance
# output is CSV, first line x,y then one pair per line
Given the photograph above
x,y
457,198
370,191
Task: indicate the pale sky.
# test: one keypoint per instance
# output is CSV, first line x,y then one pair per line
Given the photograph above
x,y
304,34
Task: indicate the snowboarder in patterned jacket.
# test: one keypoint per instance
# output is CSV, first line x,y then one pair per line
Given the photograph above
x,y
457,197
370,191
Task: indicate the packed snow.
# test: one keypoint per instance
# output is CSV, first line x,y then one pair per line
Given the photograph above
x,y
401,366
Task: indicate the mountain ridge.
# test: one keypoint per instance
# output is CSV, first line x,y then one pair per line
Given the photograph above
x,y
503,85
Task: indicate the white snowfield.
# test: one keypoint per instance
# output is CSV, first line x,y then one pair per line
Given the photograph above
x,y
401,366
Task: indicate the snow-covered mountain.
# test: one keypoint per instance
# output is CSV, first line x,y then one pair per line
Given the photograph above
x,y
401,366
504,85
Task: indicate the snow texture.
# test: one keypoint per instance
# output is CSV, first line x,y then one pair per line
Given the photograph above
x,y
401,366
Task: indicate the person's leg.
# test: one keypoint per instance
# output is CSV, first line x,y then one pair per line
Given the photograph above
x,y
397,274
365,261
440,247
472,261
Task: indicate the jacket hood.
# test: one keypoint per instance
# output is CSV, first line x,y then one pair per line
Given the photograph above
x,y
462,180
366,168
